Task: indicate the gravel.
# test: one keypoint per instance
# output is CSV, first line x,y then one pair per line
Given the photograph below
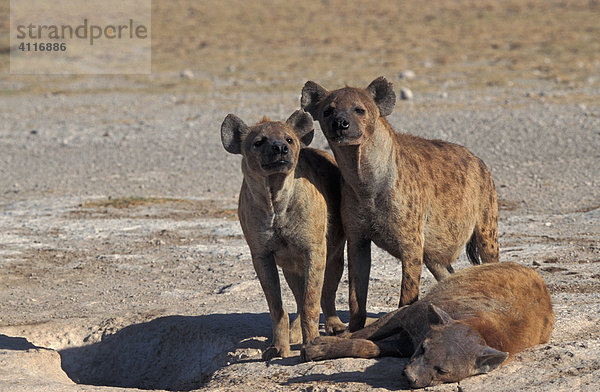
x,y
163,295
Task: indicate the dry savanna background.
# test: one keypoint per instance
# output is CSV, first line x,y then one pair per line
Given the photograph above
x,y
122,263
276,45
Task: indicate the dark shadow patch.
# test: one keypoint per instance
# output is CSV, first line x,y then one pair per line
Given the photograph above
x,y
15,343
173,353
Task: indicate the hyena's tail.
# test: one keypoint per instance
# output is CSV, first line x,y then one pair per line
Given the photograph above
x,y
472,253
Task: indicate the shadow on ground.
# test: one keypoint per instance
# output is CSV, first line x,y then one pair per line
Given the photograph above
x,y
15,343
173,353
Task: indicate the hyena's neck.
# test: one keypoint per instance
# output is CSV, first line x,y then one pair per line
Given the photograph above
x,y
280,189
272,193
370,167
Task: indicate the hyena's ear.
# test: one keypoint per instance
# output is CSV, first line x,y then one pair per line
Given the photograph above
x,y
489,359
302,124
232,131
383,95
436,315
312,95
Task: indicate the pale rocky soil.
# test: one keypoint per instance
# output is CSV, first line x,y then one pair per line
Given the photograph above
x,y
162,295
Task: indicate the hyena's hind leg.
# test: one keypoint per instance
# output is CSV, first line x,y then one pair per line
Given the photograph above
x,y
330,347
438,270
298,291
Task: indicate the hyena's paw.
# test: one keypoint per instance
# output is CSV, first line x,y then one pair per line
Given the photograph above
x,y
320,348
275,351
334,326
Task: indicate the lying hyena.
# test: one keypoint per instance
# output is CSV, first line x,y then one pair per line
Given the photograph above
x,y
467,324
289,213
420,200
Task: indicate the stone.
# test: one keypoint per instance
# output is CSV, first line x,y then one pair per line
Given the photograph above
x,y
406,94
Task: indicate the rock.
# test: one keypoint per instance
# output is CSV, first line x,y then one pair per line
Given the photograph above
x,y
407,74
406,94
186,74
236,287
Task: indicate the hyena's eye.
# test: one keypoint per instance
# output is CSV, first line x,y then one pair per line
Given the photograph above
x,y
359,110
259,142
289,140
440,371
328,112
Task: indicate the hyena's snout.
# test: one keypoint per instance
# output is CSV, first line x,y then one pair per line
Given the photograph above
x,y
342,128
279,148
277,151
416,377
276,156
340,122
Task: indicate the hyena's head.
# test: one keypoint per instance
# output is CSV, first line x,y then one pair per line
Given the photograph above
x,y
269,147
450,352
348,115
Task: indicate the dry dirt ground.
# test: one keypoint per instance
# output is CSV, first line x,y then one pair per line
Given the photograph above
x,y
123,266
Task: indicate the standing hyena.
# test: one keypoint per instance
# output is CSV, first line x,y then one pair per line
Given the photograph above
x,y
420,200
289,212
467,324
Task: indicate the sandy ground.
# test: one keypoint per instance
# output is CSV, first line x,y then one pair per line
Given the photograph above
x,y
123,266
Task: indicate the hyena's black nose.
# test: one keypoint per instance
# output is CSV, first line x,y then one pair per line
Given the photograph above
x,y
340,123
280,148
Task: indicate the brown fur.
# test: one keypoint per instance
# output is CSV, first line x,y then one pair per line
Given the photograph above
x,y
289,213
421,200
467,324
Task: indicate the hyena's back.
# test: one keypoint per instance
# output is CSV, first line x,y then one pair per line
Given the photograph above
x,y
507,303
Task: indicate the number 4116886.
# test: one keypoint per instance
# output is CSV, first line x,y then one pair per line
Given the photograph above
x,y
42,47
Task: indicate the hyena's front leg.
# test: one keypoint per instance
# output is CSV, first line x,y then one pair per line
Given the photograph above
x,y
266,269
359,269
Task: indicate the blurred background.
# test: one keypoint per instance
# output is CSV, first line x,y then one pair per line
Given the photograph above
x,y
237,45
